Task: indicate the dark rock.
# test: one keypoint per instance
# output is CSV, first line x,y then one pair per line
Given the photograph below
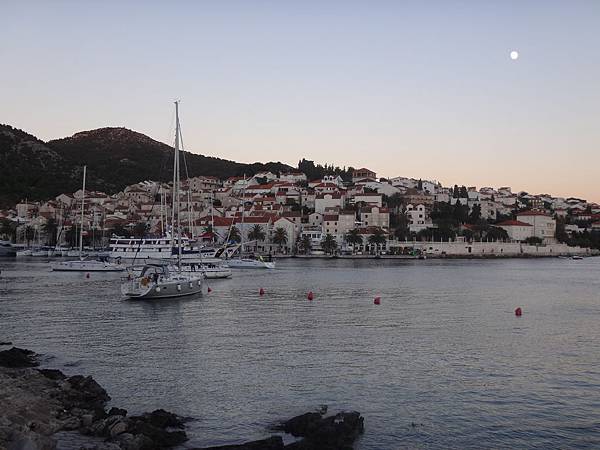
x,y
301,425
160,437
163,419
272,443
85,393
53,374
330,433
18,358
117,412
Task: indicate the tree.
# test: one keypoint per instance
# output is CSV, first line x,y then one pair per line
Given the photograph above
x,y
256,233
140,229
234,235
71,236
280,237
329,243
306,244
8,229
378,238
50,228
354,237
420,185
496,234
475,214
533,240
118,230
29,234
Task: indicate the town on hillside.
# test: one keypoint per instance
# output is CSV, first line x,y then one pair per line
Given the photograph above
x,y
288,214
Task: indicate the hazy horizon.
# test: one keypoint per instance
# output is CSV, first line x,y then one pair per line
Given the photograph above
x,y
406,89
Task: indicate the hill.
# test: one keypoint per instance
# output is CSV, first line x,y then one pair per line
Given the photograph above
x,y
116,157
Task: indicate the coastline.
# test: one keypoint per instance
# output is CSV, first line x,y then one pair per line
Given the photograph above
x,y
44,409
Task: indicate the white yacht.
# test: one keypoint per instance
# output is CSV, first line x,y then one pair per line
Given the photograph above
x,y
166,280
250,263
160,248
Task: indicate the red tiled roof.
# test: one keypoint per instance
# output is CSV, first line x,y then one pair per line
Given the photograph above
x,y
331,217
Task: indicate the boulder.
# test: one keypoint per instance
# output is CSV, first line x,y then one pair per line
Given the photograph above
x,y
117,412
17,358
53,374
84,392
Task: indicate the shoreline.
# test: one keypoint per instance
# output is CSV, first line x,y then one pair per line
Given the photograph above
x,y
44,409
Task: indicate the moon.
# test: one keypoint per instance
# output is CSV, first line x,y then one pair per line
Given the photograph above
x,y
514,55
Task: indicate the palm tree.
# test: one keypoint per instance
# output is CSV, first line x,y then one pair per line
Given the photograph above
x,y
329,243
234,234
306,244
29,234
140,229
256,233
378,238
50,228
280,237
355,238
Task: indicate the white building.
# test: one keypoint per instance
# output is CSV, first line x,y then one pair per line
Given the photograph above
x,y
544,226
517,230
417,218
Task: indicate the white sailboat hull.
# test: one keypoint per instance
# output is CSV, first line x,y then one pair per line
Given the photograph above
x,y
250,264
179,286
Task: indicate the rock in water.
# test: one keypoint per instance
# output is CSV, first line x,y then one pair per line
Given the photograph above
x,y
324,433
84,392
17,358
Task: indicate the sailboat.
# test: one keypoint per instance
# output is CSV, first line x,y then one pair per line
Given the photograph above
x,y
165,279
82,264
247,263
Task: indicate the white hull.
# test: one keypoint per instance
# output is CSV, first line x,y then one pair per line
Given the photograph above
x,y
250,264
22,253
174,286
87,266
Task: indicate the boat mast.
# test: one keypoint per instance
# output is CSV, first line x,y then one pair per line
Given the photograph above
x,y
82,211
212,215
176,181
243,211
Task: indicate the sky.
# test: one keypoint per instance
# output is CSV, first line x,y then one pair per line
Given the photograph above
x,y
405,88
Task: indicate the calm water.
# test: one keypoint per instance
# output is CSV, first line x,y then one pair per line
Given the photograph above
x,y
443,351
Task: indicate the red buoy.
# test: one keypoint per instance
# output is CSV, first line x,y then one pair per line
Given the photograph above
x,y
261,291
518,312
87,275
209,289
377,301
310,295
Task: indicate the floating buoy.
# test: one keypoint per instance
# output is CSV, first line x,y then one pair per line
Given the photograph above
x,y
518,312
310,295
261,291
179,287
209,289
87,275
377,301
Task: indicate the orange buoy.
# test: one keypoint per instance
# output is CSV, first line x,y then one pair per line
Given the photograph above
x,y
261,291
377,301
209,289
518,312
310,295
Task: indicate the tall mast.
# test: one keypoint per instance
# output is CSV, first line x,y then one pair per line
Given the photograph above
x,y
177,182
212,215
82,211
243,211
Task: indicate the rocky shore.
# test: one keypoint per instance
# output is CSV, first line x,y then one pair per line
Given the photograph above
x,y
43,407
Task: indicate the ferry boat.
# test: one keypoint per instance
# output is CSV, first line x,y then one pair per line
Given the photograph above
x,y
160,248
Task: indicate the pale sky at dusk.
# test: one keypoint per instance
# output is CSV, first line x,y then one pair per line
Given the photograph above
x,y
420,89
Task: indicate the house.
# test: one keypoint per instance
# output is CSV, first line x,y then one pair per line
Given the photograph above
x,y
375,216
292,230
418,218
328,200
363,174
293,177
338,224
517,230
369,199
544,226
